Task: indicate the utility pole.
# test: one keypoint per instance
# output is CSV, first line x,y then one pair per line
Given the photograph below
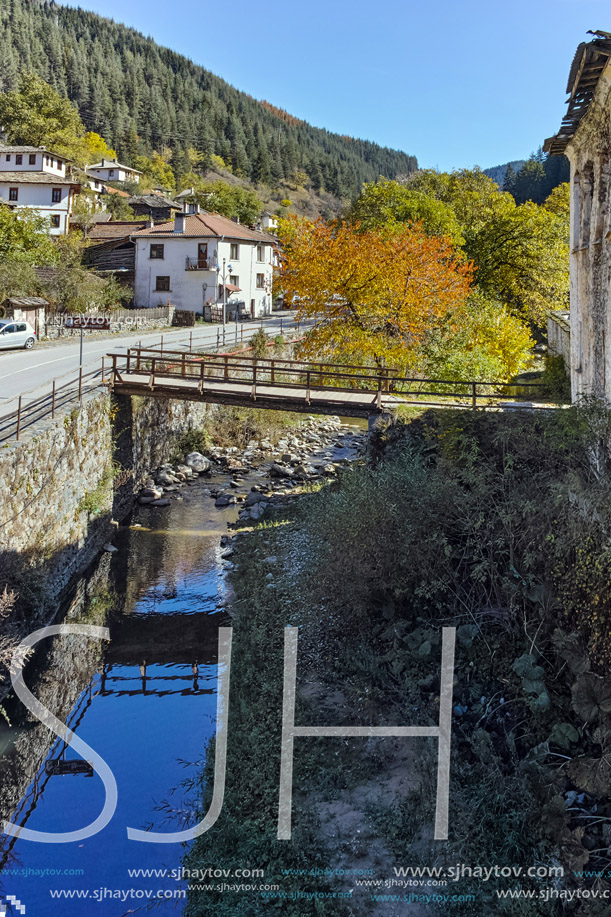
x,y
224,299
224,276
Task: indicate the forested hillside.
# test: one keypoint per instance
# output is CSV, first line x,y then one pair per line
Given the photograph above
x,y
537,178
497,173
141,97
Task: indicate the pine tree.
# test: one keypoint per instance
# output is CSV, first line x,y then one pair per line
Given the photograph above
x,y
510,179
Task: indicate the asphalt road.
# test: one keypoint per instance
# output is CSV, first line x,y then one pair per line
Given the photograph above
x,y
30,373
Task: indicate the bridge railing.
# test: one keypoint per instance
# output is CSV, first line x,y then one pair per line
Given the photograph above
x,y
269,369
226,367
181,368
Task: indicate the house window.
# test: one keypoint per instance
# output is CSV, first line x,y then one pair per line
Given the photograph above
x,y
54,222
32,159
163,284
13,194
111,172
56,195
260,281
235,280
8,157
18,159
235,251
157,251
260,253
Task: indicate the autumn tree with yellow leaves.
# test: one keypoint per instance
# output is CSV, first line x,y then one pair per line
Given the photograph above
x,y
372,293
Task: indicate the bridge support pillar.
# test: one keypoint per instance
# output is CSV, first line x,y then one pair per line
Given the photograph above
x,y
376,424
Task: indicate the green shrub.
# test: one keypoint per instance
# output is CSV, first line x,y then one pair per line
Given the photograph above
x,y
258,343
496,524
555,380
192,441
97,499
230,426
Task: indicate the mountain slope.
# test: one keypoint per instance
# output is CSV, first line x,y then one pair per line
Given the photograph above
x,y
141,97
497,173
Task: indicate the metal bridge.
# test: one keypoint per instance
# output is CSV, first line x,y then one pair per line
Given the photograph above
x,y
293,385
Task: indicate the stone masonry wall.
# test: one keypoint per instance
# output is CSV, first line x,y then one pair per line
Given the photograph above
x,y
65,483
56,491
589,152
559,337
121,321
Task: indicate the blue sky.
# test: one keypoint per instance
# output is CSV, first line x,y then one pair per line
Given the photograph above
x,y
455,82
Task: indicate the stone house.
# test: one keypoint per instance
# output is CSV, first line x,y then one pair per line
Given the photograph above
x,y
585,138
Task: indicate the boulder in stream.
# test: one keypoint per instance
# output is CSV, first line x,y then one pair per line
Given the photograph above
x,y
280,471
198,462
225,500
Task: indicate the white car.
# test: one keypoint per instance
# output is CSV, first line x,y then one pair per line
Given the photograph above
x,y
16,334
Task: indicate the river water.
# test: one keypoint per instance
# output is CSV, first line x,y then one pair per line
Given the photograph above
x,y
145,701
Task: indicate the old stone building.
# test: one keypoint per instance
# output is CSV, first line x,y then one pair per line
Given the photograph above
x,y
585,138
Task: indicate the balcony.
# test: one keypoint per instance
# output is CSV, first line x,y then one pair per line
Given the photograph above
x,y
200,264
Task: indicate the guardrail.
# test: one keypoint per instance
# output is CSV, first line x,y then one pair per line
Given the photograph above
x,y
13,424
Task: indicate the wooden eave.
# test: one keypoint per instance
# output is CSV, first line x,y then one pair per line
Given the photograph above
x,y
586,70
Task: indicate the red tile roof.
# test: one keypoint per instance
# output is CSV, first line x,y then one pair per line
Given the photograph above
x,y
111,190
205,225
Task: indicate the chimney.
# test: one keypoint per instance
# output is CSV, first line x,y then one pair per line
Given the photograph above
x,y
179,223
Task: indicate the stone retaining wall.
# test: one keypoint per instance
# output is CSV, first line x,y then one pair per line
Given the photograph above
x,y
122,320
63,486
56,491
559,337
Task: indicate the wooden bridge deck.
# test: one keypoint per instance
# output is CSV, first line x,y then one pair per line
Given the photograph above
x,y
290,385
316,401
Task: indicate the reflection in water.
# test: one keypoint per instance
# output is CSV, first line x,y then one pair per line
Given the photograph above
x,y
145,701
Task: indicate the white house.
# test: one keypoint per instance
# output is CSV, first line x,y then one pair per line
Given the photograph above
x,y
35,177
268,221
31,159
94,184
111,170
199,259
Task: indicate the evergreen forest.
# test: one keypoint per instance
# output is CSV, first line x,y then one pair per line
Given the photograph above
x,y
143,98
